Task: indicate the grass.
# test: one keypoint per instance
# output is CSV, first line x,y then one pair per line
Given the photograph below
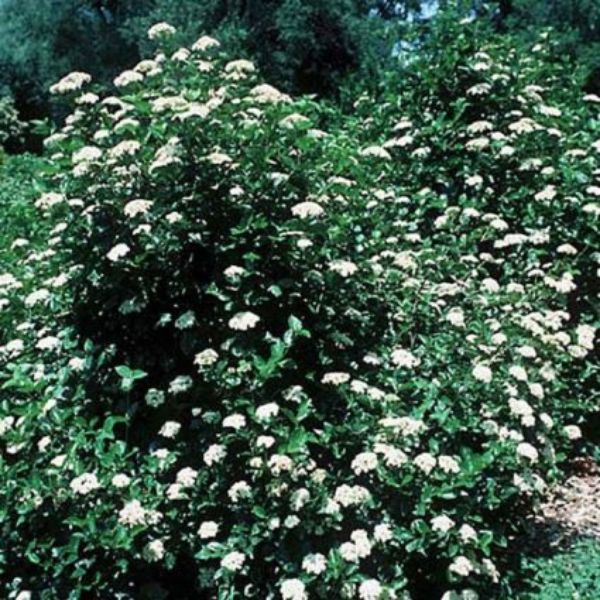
x,y
570,574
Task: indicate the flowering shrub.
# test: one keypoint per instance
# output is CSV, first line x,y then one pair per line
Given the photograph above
x,y
265,350
10,125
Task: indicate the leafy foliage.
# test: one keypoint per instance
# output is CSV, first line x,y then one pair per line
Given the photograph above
x,y
10,125
301,46
292,352
572,573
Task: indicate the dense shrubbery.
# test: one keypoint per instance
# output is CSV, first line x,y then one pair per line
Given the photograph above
x,y
10,125
266,350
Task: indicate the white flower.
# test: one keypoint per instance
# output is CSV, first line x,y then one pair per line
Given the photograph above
x,y
467,533
206,358
161,30
154,551
173,217
233,561
456,317
482,373
208,530
132,514
525,450
448,464
265,93
348,552
480,143
239,66
266,411
186,477
537,390
293,589
88,99
405,426
442,524
181,384
175,492
361,540
550,111
76,363
393,457
170,429
215,454
345,268
307,209
314,564
117,252
137,207
572,432
219,158
461,565
364,462
350,495
205,43
85,483
48,342
234,271
376,152
8,281
87,154
490,285
489,568
474,181
292,120
585,336
239,490
425,461
480,89
299,499
235,421
479,127
243,321
57,461
127,78
71,83
370,590
548,193
279,463
404,358
527,351
519,373
382,533
120,480
264,441
36,297
335,378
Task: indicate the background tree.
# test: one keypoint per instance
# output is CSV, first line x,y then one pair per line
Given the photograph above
x,y
576,25
302,46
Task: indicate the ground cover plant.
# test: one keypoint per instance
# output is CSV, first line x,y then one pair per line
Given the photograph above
x,y
260,348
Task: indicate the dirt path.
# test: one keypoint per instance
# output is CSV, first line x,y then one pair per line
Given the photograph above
x,y
571,511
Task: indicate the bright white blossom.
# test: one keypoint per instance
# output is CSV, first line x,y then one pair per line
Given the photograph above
x,y
293,589
244,321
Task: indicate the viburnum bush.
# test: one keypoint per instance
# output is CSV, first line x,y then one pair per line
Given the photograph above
x,y
263,349
10,125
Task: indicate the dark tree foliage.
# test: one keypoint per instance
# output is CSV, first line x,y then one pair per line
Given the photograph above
x,y
575,23
304,46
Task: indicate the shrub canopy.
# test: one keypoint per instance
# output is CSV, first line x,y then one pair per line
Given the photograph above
x,y
262,348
